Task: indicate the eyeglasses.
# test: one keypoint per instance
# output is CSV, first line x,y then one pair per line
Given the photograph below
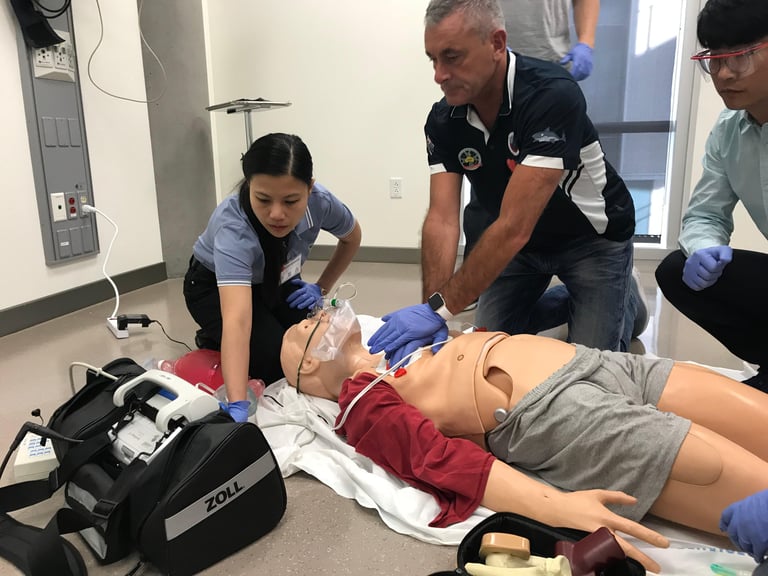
x,y
738,61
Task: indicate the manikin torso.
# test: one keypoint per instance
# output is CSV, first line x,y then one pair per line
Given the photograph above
x,y
476,374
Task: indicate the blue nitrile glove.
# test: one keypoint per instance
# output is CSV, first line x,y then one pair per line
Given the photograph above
x,y
746,523
306,296
407,329
580,57
704,267
237,410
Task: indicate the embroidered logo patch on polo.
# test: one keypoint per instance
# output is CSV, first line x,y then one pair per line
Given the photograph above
x,y
470,159
430,146
547,136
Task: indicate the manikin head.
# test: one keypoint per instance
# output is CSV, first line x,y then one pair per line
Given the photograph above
x,y
319,353
735,35
467,44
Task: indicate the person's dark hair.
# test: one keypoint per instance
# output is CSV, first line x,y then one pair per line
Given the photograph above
x,y
275,154
726,23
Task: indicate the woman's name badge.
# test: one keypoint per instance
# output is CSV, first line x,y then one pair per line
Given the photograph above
x,y
292,268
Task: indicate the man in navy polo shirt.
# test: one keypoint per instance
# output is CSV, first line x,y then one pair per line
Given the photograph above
x,y
517,128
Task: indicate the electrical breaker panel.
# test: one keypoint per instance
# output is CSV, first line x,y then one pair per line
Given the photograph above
x,y
58,145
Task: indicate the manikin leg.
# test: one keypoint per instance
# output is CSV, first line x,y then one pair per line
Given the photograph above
x,y
710,472
732,409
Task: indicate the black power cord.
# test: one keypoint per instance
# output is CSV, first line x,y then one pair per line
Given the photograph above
x,y
169,338
124,319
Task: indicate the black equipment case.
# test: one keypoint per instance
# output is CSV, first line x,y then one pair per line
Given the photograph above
x,y
542,538
214,489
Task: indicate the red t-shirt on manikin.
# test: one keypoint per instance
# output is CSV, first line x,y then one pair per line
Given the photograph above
x,y
397,437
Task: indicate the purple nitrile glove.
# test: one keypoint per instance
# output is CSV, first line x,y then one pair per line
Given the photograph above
x,y
238,410
580,57
746,523
406,330
703,268
306,296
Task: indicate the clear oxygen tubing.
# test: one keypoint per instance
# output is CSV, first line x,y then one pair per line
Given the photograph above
x,y
379,378
345,292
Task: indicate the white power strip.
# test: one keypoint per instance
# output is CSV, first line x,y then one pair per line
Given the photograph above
x,y
112,325
34,461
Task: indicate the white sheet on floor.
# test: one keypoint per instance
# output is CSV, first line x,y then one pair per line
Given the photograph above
x,y
298,428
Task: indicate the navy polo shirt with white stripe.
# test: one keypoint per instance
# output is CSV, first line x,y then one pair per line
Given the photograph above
x,y
542,122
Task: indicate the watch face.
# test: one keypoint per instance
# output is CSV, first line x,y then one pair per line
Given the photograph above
x,y
436,301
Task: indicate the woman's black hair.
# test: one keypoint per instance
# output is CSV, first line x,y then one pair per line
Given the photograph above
x,y
727,23
275,154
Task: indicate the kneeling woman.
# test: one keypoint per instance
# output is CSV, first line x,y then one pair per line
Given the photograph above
x,y
244,286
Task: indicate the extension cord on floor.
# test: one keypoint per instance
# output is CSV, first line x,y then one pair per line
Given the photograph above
x,y
112,325
33,461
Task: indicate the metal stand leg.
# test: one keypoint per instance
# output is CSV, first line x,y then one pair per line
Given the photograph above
x,y
248,135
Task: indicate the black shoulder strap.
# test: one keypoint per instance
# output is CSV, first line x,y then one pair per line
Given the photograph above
x,y
42,552
23,494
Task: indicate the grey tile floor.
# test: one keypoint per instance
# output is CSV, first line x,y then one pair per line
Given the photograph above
x,y
321,533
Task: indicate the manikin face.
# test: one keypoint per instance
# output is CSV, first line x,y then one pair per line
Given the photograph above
x,y
279,202
295,343
321,378
744,91
464,62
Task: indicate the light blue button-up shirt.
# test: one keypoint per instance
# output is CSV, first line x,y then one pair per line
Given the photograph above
x,y
735,168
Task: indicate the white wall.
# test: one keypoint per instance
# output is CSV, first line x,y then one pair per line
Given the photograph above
x,y
120,159
361,88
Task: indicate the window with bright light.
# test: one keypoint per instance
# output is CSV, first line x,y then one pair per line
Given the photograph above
x,y
630,98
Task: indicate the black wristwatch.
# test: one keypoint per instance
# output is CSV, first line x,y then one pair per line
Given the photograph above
x,y
437,303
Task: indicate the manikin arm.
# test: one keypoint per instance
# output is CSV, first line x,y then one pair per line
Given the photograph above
x,y
509,490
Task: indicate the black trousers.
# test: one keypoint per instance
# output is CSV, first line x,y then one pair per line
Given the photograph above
x,y
268,325
734,310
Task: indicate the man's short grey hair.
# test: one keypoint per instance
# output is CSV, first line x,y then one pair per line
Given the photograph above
x,y
484,16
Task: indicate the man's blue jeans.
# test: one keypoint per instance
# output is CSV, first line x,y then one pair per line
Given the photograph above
x,y
598,299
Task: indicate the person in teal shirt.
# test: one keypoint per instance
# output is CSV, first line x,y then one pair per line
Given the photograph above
x,y
722,289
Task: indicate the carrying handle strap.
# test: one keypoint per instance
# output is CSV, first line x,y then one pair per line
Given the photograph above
x,y
119,491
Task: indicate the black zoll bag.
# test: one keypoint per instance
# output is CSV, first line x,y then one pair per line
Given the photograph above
x,y
212,489
220,491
